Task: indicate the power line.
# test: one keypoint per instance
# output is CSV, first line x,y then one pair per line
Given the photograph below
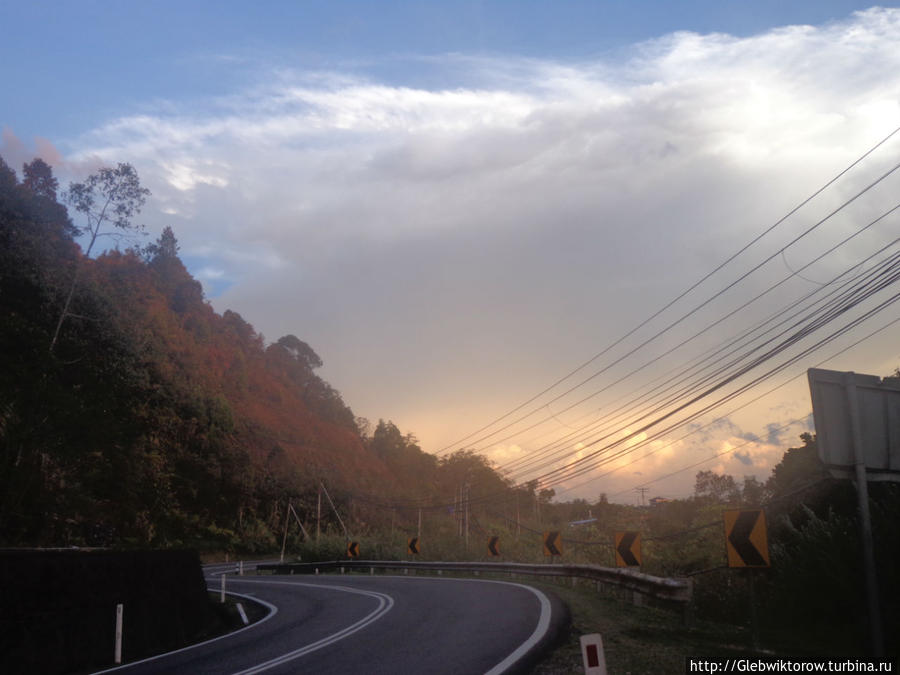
x,y
790,310
676,299
851,294
700,306
732,377
509,495
738,447
559,473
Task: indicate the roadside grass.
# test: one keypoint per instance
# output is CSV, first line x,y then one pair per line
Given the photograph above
x,y
636,639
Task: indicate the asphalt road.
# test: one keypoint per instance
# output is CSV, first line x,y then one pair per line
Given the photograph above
x,y
375,624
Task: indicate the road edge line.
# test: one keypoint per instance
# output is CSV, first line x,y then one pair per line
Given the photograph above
x,y
273,610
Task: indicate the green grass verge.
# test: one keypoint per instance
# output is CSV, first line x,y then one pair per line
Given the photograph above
x,y
635,639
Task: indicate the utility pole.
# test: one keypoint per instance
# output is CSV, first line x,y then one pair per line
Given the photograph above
x,y
467,516
518,521
419,534
643,491
319,516
287,521
334,508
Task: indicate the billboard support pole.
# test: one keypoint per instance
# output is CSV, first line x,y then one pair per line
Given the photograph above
x,y
862,493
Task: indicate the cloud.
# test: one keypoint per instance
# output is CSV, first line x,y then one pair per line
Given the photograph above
x,y
775,434
744,458
14,151
459,248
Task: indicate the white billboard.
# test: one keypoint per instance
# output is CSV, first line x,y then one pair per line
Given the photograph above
x,y
849,404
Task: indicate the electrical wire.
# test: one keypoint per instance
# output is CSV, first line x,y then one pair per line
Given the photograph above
x,y
698,307
788,310
676,299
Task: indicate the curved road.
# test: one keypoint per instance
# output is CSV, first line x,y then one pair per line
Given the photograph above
x,y
367,624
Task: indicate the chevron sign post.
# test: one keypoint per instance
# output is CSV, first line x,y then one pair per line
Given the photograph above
x,y
552,544
628,549
745,538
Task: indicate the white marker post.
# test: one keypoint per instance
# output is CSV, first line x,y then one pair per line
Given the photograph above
x,y
118,653
223,589
592,654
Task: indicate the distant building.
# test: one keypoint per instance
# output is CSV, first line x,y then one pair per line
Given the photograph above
x,y
658,500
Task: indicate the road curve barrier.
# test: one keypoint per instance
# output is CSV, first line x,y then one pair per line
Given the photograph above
x,y
678,591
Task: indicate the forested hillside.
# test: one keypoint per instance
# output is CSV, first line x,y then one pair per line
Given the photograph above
x,y
137,414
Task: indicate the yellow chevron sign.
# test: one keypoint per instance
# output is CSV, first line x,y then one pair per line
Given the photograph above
x,y
628,549
552,544
746,538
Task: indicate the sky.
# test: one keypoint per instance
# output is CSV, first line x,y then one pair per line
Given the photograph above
x,y
458,204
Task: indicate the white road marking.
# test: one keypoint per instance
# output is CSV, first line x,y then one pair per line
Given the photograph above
x,y
539,631
273,610
385,603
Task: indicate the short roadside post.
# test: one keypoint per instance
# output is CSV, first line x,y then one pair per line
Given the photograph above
x,y
118,653
592,654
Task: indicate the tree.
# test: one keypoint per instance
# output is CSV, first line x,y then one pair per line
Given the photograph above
x,y
39,179
710,485
798,468
39,188
752,492
108,197
166,247
301,352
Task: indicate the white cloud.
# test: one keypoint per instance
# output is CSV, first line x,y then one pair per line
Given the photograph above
x,y
210,273
475,243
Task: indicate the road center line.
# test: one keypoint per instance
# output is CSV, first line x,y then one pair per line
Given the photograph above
x,y
385,603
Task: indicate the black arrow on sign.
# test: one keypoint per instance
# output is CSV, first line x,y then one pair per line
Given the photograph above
x,y
493,546
740,539
550,543
353,549
414,545
624,549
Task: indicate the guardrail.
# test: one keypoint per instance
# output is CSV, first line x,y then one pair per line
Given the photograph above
x,y
673,590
